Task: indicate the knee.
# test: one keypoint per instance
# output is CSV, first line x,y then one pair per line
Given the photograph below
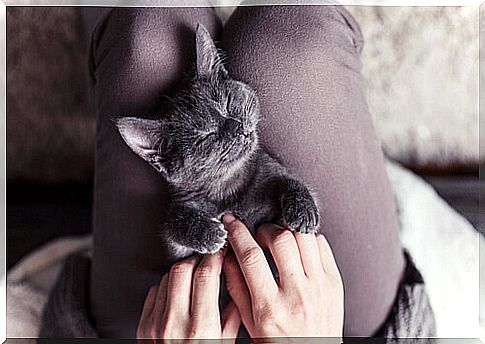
x,y
325,27
310,25
299,33
139,37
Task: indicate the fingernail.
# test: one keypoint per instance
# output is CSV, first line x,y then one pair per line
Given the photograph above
x,y
228,219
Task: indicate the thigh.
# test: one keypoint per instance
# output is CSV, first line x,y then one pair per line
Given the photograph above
x,y
304,62
137,54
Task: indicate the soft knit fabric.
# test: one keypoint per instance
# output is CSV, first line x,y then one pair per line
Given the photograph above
x,y
66,313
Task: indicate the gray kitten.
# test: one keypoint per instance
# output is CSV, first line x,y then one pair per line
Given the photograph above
x,y
206,146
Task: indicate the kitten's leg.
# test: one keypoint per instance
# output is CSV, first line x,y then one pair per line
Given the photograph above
x,y
298,207
190,230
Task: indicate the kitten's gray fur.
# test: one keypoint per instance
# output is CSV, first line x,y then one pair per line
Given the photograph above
x,y
206,146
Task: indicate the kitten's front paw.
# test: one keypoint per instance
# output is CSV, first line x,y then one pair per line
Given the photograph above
x,y
300,212
213,238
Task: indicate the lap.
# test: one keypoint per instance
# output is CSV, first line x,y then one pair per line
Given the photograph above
x,y
137,55
304,65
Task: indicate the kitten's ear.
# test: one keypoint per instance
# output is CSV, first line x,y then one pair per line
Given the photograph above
x,y
208,58
144,137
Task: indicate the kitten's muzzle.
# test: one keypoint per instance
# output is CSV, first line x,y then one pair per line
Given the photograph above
x,y
236,128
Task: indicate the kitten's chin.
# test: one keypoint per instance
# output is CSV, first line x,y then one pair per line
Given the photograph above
x,y
240,153
246,148
243,159
250,145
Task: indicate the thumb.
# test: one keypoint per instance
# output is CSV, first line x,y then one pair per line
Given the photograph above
x,y
231,321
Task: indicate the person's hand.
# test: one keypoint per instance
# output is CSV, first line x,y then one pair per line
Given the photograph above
x,y
307,301
185,303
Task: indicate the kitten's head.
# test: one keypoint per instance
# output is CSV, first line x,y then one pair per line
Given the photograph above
x,y
209,128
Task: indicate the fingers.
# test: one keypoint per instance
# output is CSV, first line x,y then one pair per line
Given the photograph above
x,y
231,321
285,252
149,302
252,261
205,286
180,285
153,309
326,256
310,255
236,286
146,319
161,301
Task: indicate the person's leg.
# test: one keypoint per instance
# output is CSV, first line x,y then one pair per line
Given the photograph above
x,y
137,55
304,63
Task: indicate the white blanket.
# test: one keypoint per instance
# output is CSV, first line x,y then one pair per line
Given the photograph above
x,y
443,245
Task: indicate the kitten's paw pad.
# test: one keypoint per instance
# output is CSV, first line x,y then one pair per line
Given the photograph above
x,y
300,215
214,238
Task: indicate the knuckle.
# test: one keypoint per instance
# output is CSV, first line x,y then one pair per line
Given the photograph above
x,y
252,257
141,333
197,328
170,327
153,333
204,272
204,327
264,310
181,268
282,238
238,229
193,332
145,328
165,334
265,315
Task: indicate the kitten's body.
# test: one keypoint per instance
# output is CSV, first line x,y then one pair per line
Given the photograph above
x,y
252,195
206,146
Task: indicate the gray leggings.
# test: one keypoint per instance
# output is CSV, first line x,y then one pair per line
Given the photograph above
x,y
304,62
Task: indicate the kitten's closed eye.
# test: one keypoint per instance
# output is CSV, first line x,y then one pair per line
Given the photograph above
x,y
221,108
205,132
206,136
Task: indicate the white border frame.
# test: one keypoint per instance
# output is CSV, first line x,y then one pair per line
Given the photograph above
x,y
174,3
222,3
3,173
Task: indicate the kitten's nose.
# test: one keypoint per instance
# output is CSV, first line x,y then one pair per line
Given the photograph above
x,y
234,127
